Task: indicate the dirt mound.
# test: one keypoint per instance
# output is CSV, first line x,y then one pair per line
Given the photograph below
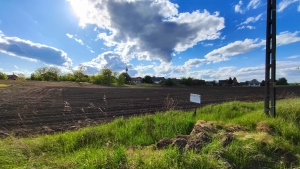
x,y
198,138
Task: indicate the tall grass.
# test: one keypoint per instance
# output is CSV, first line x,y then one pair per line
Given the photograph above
x,y
130,143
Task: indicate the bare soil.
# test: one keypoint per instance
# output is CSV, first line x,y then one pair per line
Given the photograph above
x,y
28,108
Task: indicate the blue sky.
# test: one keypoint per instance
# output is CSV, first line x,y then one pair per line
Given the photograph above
x,y
203,39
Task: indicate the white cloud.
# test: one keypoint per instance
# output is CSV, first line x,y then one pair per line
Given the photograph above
x,y
148,29
252,19
69,35
253,4
298,8
16,67
294,57
29,50
79,41
285,3
237,7
244,27
232,49
287,37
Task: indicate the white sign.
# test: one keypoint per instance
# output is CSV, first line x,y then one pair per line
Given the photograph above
x,y
196,98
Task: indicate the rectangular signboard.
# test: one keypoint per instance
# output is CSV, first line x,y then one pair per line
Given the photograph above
x,y
196,98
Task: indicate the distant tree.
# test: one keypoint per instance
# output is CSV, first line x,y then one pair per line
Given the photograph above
x,y
32,76
199,82
282,81
262,83
186,81
147,79
254,80
230,81
46,73
235,80
79,74
169,82
107,76
21,76
127,77
121,80
3,76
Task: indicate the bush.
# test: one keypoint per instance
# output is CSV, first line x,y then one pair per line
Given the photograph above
x,y
169,82
3,76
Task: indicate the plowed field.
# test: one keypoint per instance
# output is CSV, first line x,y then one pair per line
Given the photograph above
x,y
29,107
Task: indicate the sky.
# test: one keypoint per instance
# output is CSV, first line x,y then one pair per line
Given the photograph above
x,y
202,39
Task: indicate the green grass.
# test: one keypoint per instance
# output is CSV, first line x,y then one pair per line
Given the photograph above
x,y
4,85
106,145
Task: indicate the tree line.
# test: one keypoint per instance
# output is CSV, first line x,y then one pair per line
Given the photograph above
x,y
107,76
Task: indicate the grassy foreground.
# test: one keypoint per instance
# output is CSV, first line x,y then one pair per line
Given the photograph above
x,y
130,143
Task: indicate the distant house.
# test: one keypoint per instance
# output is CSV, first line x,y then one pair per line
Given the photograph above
x,y
254,84
158,80
136,80
223,82
12,77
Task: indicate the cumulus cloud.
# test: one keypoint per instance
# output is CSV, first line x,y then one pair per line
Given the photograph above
x,y
148,29
285,3
108,59
26,49
240,47
287,37
232,49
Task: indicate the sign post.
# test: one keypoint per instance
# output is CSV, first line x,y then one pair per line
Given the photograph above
x,y
195,98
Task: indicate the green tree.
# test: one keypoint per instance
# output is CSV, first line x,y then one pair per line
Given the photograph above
x,y
147,79
282,81
79,74
186,81
121,80
3,76
21,76
108,76
263,83
230,81
127,77
47,74
169,82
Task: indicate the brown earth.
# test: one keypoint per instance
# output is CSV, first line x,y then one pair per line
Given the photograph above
x,y
34,107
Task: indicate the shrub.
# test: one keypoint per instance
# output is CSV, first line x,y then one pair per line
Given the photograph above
x,y
3,76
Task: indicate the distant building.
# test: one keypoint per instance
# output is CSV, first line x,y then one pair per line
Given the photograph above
x,y
223,82
12,77
136,80
254,84
158,80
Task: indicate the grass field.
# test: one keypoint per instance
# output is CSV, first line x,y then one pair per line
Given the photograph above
x,y
4,85
240,136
